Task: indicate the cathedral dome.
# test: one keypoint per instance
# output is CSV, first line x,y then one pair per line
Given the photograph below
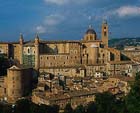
x,y
90,30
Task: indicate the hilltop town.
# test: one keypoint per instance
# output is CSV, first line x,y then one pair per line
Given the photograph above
x,y
67,71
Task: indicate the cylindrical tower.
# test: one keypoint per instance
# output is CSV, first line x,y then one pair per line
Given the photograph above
x,y
21,42
14,84
18,83
93,54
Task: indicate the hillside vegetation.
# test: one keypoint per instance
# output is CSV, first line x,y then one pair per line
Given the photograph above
x,y
121,42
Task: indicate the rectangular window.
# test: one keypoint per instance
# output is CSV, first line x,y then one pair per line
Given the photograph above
x,y
5,90
105,33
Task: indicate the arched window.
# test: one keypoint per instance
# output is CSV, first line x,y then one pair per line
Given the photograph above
x,y
91,37
105,33
67,57
28,50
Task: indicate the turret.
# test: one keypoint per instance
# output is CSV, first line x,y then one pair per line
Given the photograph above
x,y
36,52
21,42
18,82
93,54
37,40
104,33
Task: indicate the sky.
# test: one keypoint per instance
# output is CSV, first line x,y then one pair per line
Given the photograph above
x,y
67,19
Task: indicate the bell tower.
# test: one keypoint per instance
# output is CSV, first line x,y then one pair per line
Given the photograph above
x,y
104,33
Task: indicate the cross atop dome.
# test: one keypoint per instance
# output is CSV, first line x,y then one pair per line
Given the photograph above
x,y
90,30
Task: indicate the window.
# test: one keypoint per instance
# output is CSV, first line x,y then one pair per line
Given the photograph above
x,y
105,33
90,37
12,92
71,51
67,57
4,90
28,50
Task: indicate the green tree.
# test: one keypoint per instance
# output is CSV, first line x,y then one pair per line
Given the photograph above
x,y
91,108
133,98
105,103
119,106
5,108
4,64
54,109
34,108
26,106
48,109
68,108
43,108
22,106
79,109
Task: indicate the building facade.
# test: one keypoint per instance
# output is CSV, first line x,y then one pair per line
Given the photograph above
x,y
87,56
17,83
90,57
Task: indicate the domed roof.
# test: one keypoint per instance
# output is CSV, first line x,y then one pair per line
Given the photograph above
x,y
90,30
